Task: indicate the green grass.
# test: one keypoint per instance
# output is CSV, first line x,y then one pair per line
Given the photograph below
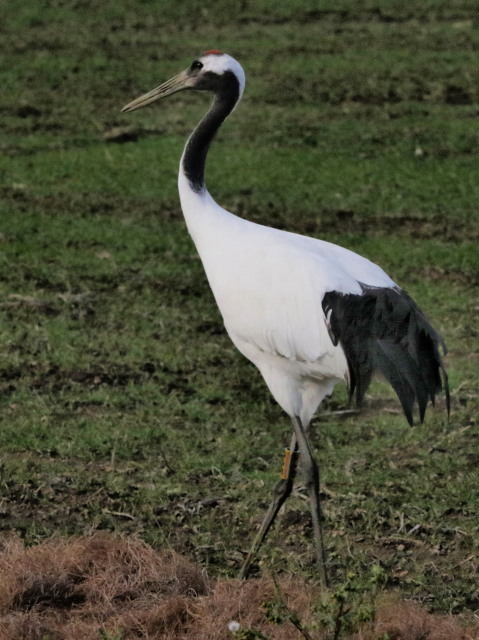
x,y
123,403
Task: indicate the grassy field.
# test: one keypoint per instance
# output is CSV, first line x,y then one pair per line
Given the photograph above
x,y
123,405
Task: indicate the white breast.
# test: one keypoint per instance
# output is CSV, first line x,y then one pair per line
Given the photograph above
x,y
269,286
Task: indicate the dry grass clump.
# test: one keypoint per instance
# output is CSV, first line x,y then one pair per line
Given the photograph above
x,y
397,620
247,603
101,587
76,588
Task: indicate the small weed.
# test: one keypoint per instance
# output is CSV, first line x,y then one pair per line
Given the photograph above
x,y
278,611
351,604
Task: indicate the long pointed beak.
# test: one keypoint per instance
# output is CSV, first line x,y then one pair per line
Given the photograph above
x,y
179,83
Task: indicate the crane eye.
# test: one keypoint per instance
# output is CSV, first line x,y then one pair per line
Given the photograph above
x,y
196,65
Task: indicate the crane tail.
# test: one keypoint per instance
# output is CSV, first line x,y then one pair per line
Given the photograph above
x,y
383,331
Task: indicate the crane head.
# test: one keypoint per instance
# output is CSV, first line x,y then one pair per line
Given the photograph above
x,y
206,73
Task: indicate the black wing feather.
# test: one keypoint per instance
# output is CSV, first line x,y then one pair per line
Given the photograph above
x,y
383,330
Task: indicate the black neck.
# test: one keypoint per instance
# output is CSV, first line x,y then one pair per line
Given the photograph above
x,y
194,156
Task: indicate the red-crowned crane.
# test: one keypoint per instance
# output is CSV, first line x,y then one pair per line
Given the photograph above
x,y
307,313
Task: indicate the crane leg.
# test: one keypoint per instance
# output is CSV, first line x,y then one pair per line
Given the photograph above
x,y
281,492
311,476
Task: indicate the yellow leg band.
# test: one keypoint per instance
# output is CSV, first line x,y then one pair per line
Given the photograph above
x,y
286,464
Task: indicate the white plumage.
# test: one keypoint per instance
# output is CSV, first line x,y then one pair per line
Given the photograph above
x,y
307,313
269,286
